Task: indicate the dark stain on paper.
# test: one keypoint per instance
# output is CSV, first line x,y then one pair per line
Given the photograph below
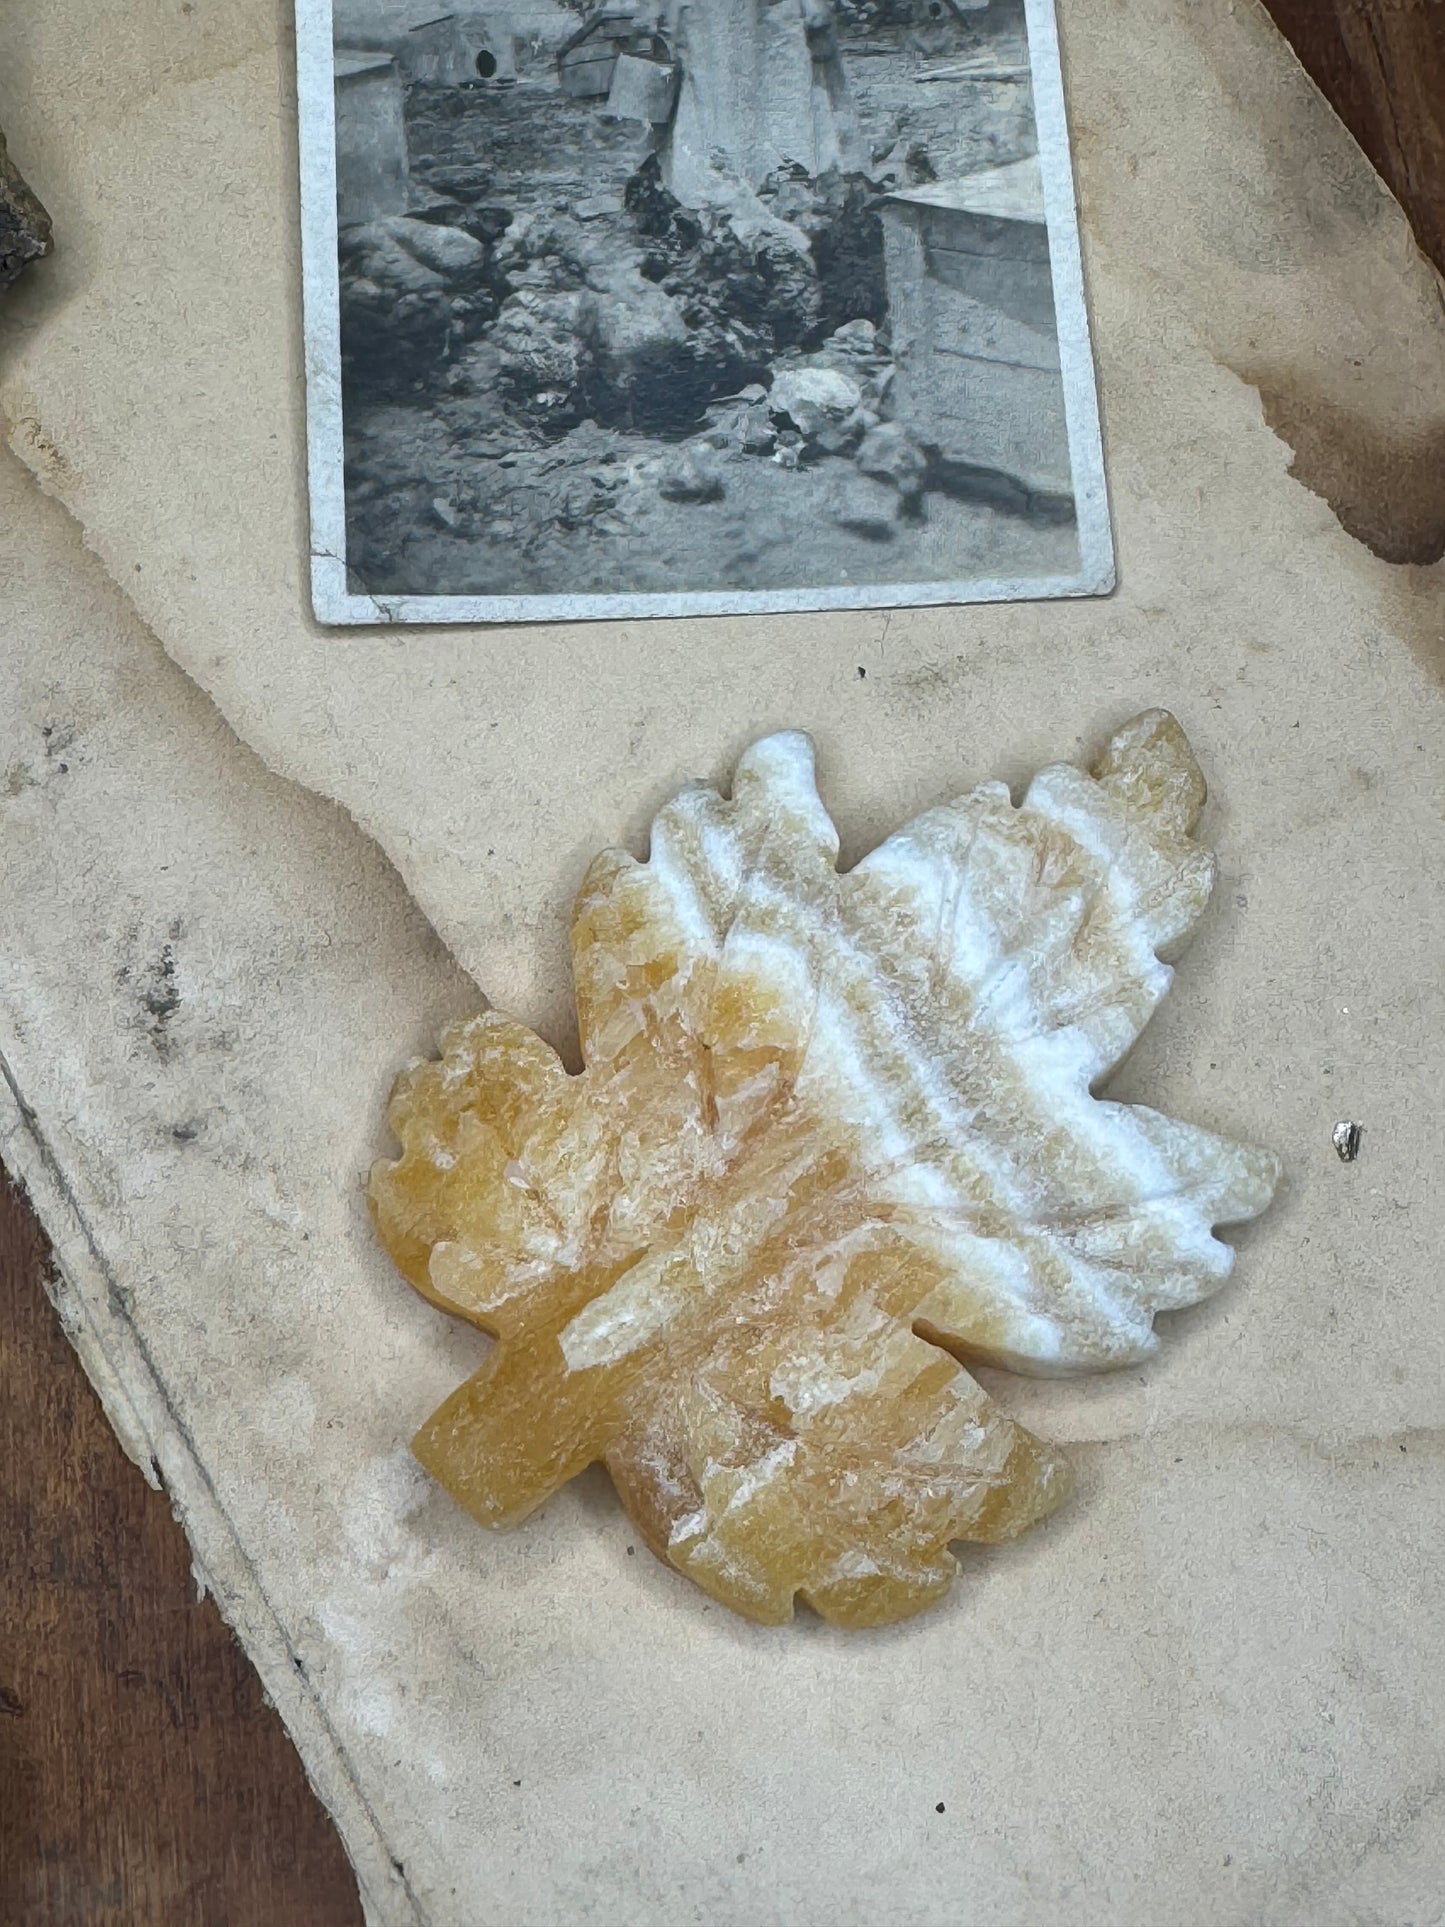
x,y
1386,487
160,995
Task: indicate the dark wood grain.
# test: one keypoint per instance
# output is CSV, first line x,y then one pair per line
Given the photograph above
x,y
1382,65
144,1781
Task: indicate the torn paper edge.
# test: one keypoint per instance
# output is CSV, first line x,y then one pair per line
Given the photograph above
x,y
118,1365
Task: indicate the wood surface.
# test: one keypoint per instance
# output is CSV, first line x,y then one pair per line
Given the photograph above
x,y
1382,65
144,1782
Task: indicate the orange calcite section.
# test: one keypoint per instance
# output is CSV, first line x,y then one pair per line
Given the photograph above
x,y
835,1135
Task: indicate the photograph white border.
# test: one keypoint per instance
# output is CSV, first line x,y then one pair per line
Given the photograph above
x,y
337,605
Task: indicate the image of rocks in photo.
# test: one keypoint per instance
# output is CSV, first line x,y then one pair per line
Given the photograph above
x,y
695,295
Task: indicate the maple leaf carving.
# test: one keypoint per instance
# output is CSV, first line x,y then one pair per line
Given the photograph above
x,y
835,1137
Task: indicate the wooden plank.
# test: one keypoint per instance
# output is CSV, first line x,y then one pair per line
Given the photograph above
x,y
589,78
984,329
373,171
1022,290
1381,64
144,1781
999,417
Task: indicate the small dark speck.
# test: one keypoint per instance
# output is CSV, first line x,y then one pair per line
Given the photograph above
x,y
1402,1448
741,1858
939,1808
185,1133
1179,1461
48,729
10,1703
862,673
1229,1860
632,1549
160,996
65,769
491,853
516,1783
400,1867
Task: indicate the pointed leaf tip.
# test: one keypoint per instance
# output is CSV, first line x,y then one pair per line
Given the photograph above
x,y
1150,767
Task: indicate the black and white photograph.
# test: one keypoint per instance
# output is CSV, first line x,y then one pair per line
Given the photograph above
x,y
645,307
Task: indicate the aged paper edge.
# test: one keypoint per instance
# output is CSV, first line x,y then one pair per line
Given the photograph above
x,y
92,1314
335,603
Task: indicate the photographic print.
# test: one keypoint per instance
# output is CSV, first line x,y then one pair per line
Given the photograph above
x,y
692,306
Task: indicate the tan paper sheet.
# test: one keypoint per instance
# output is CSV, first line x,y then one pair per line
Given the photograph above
x,y
1212,1688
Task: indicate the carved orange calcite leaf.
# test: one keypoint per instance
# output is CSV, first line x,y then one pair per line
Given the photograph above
x,y
835,1136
